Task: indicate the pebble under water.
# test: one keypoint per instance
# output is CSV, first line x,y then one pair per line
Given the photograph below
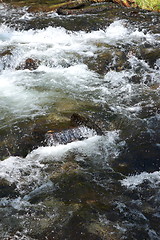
x,y
80,184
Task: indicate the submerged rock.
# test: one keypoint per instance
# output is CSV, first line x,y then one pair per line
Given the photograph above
x,y
7,189
68,168
150,55
141,150
104,230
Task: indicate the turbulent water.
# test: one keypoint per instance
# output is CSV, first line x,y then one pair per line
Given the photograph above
x,y
103,66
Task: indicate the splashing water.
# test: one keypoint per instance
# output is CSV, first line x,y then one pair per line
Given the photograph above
x,y
80,187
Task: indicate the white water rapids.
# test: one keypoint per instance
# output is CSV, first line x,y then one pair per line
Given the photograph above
x,y
64,82
62,71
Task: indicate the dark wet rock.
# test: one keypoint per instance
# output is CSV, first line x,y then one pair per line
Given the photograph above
x,y
65,10
37,5
40,193
85,128
120,60
110,59
7,189
34,133
136,79
105,231
67,224
68,168
52,5
75,200
22,138
68,136
85,8
45,5
74,187
5,53
31,64
61,173
141,150
141,153
101,63
86,121
150,55
76,229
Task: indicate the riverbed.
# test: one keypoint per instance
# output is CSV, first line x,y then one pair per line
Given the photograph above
x,y
105,67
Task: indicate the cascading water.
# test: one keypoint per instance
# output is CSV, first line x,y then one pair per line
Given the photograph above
x,y
102,187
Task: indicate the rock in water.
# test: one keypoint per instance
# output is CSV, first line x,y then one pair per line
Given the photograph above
x,y
69,135
7,189
30,64
85,128
85,121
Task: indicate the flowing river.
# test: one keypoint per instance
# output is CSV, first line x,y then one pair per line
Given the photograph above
x,y
105,67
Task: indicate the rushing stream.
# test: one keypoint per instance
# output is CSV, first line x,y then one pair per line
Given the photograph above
x,y
99,186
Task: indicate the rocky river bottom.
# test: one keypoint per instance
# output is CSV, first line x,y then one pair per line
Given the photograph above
x,y
79,125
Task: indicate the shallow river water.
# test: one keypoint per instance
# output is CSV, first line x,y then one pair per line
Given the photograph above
x,y
106,67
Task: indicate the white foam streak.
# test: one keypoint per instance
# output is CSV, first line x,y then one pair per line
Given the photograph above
x,y
96,147
133,181
55,153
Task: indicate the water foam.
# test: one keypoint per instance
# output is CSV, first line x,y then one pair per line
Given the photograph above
x,y
61,68
30,171
132,182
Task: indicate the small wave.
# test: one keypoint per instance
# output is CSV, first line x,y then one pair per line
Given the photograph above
x,y
31,170
132,182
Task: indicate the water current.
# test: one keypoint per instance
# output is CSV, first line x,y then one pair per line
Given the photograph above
x,y
106,67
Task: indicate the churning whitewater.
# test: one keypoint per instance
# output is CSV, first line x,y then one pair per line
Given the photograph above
x,y
102,187
62,70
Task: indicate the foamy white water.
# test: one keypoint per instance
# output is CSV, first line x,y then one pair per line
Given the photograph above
x,y
132,182
31,170
61,70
